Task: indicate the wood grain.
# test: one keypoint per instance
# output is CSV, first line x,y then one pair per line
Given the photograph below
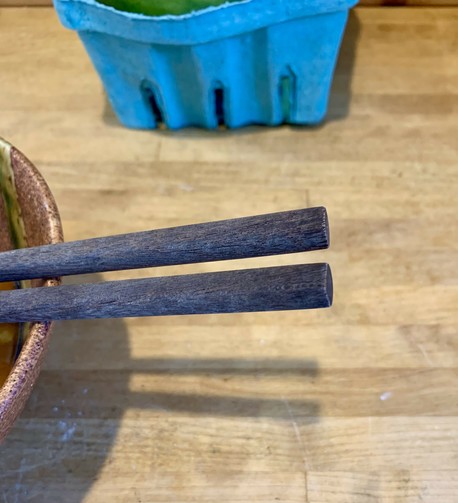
x,y
409,3
247,290
257,236
355,403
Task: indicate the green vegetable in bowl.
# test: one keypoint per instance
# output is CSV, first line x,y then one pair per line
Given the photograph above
x,y
163,7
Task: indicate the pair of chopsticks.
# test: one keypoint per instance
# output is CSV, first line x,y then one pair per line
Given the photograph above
x,y
249,290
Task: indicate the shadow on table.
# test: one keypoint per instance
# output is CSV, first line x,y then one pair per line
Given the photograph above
x,y
339,100
67,432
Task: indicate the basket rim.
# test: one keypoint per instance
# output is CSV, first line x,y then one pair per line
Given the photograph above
x,y
226,20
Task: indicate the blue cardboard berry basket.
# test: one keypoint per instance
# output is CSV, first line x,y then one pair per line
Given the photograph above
x,y
249,62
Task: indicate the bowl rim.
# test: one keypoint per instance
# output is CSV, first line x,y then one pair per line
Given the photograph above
x,y
17,387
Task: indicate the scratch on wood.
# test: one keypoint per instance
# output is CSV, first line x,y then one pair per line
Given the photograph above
x,y
425,355
306,482
307,197
297,433
158,153
18,485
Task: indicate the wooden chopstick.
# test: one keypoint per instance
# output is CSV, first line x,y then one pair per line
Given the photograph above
x,y
266,289
271,234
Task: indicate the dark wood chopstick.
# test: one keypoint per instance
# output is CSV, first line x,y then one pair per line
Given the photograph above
x,y
271,234
248,290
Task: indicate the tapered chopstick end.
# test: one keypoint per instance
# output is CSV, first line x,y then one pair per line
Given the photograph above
x,y
326,238
329,287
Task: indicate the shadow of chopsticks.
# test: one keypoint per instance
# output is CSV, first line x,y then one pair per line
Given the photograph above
x,y
218,366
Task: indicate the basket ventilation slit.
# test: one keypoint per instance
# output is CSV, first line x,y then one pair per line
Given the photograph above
x,y
218,95
150,96
287,92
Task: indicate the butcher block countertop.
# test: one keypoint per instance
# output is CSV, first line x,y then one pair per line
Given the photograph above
x,y
357,403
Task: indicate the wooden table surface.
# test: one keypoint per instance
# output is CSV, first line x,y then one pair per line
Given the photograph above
x,y
358,403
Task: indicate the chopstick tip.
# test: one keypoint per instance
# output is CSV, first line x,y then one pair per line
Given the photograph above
x,y
329,285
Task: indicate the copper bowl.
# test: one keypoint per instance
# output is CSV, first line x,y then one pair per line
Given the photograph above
x,y
28,217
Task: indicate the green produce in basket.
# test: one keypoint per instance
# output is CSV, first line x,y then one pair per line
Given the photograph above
x,y
163,7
